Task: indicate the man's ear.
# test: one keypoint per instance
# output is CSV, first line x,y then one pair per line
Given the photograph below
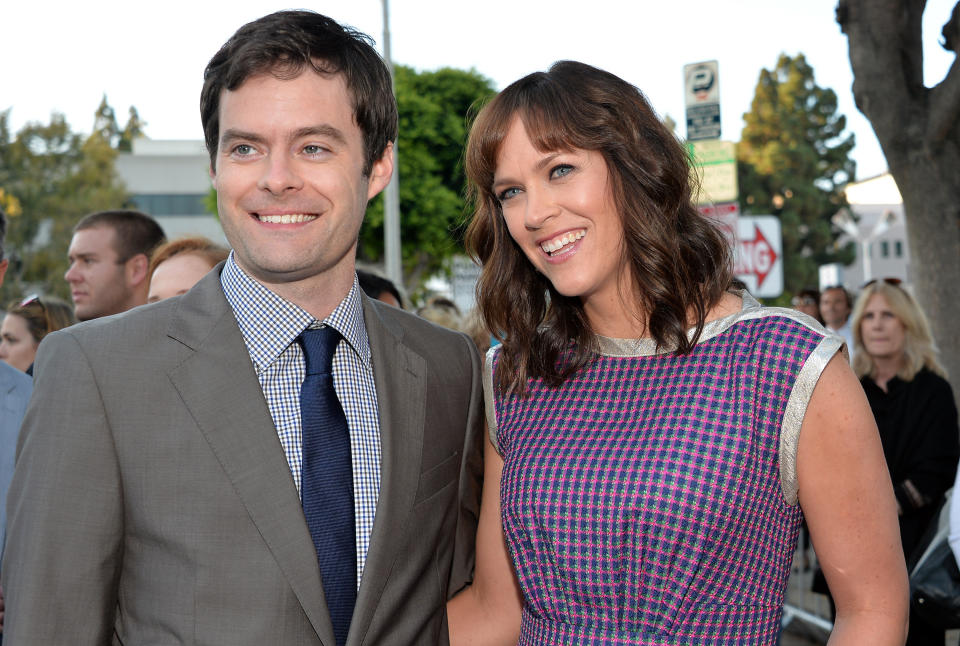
x,y
136,270
3,269
380,172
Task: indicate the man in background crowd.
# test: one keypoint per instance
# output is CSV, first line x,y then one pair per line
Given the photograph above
x,y
109,262
835,309
380,288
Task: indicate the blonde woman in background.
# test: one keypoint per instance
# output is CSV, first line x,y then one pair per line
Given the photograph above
x,y
914,407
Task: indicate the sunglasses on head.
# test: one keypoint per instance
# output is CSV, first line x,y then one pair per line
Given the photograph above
x,y
896,282
30,300
34,299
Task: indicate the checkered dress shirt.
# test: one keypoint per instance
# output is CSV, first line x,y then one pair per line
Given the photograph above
x,y
270,326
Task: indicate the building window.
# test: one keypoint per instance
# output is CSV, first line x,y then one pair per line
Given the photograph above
x,y
898,248
885,249
171,204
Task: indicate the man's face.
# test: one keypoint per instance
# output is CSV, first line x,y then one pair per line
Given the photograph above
x,y
834,308
98,280
290,188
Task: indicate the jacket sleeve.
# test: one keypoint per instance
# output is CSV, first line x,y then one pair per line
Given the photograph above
x,y
471,481
62,560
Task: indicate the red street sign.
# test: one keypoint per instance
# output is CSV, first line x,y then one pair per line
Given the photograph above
x,y
724,215
757,256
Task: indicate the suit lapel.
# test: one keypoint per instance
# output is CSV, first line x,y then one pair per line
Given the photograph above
x,y
400,377
219,386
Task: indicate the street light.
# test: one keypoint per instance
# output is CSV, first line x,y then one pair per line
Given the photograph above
x,y
845,222
391,196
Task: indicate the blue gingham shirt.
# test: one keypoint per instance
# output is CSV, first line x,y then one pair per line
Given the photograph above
x,y
270,326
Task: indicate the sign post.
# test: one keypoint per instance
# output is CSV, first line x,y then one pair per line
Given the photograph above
x,y
702,84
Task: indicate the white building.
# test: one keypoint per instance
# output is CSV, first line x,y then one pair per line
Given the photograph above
x,y
879,230
169,180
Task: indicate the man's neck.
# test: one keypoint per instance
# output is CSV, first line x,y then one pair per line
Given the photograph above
x,y
318,295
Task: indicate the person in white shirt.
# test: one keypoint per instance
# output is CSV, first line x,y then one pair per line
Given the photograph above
x,y
835,307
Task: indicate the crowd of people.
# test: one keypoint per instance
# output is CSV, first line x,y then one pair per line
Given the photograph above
x,y
261,444
894,355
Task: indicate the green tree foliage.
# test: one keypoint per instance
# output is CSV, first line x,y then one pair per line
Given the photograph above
x,y
105,122
792,161
56,176
433,130
133,130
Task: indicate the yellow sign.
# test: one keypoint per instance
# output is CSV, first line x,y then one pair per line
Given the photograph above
x,y
715,163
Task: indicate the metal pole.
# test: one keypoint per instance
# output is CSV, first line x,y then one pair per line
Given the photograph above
x,y
391,196
865,259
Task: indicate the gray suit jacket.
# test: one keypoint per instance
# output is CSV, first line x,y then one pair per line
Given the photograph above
x,y
152,502
15,387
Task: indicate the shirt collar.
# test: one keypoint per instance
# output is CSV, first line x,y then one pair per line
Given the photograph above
x,y
269,323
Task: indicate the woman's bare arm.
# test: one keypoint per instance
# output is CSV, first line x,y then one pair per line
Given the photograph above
x,y
848,501
488,612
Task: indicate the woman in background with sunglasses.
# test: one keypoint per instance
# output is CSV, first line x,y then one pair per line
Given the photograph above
x,y
913,404
25,325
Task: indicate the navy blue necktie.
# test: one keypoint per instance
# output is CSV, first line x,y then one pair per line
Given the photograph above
x,y
326,489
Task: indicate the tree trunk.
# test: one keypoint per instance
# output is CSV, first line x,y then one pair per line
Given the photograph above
x,y
919,131
933,226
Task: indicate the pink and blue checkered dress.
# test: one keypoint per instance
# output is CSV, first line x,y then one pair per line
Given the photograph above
x,y
651,499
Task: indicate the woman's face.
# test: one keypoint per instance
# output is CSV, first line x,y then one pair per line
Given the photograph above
x,y
883,335
177,275
17,345
559,208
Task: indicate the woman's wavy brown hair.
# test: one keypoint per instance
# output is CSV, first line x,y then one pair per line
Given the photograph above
x,y
680,263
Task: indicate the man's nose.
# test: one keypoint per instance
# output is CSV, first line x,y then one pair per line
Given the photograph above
x,y
72,275
280,174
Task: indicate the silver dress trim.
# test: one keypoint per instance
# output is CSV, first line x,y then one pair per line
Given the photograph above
x,y
796,404
488,405
800,394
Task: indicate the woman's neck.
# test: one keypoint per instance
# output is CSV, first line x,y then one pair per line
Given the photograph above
x,y
617,321
885,369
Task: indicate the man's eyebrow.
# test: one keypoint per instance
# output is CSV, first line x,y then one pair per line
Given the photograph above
x,y
322,130
235,134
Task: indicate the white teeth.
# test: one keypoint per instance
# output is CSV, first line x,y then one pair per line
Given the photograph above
x,y
287,218
558,243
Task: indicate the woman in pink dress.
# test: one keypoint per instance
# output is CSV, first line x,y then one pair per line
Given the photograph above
x,y
656,436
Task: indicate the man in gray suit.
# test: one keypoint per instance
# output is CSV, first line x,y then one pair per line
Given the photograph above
x,y
15,387
157,493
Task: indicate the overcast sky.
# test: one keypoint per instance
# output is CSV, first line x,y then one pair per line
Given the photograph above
x,y
63,55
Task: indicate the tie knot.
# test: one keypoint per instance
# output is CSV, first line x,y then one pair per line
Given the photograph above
x,y
318,348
